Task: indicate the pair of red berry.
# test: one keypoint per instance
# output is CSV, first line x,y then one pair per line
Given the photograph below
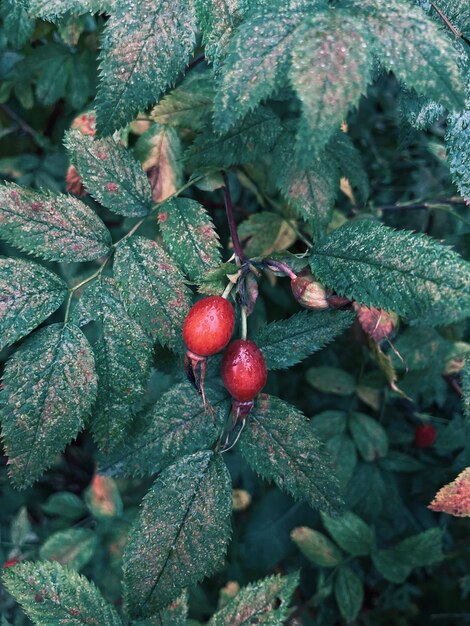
x,y
207,330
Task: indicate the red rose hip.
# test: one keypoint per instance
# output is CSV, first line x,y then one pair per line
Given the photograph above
x,y
425,435
209,325
244,371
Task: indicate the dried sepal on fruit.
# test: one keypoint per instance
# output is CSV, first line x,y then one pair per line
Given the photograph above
x,y
376,323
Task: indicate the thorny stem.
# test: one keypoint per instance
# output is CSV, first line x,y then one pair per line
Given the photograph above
x,y
239,254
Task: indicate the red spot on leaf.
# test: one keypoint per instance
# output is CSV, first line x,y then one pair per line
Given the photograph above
x,y
102,155
112,186
10,563
38,598
36,206
162,217
74,612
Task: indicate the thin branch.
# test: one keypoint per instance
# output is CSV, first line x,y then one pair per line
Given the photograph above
x,y
239,254
26,128
456,32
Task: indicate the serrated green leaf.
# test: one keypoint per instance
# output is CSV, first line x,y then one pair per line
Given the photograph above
x,y
265,232
287,342
54,227
28,295
412,46
65,504
189,105
350,164
110,174
178,425
146,46
457,12
344,456
174,615
389,564
350,532
159,151
369,436
316,547
421,348
181,533
53,64
123,356
189,236
327,424
73,547
53,9
420,112
279,445
248,140
50,593
17,24
256,61
466,388
331,68
458,151
263,602
20,528
153,289
49,388
349,593
410,274
331,380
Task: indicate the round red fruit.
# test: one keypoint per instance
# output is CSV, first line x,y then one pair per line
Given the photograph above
x,y
209,325
243,370
425,435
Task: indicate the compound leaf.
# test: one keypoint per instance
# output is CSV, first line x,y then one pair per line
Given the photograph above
x,y
53,594
189,236
152,288
29,293
413,275
181,533
287,342
110,174
146,46
54,227
49,388
279,445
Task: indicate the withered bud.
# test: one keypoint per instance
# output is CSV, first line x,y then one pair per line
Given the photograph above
x,y
309,293
377,323
73,182
241,499
85,123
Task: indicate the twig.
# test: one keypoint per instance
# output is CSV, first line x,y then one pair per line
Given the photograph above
x,y
196,61
26,128
456,32
239,254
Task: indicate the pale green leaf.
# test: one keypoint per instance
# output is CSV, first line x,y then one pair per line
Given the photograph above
x,y
328,424
263,602
153,289
264,233
413,275
73,547
287,342
280,446
54,227
331,68
146,46
349,593
53,9
189,236
29,293
316,547
20,528
49,386
331,380
65,504
369,436
458,151
181,533
177,425
123,356
50,593
350,532
110,174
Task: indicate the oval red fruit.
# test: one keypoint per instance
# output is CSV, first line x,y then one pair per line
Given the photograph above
x,y
244,371
425,435
209,325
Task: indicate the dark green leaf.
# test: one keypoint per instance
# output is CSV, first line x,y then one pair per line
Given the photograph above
x,y
350,165
181,533
316,547
153,289
328,424
28,295
189,236
110,174
178,425
350,532
421,348
466,388
279,445
54,227
349,593
331,380
458,150
146,46
411,274
369,436
49,388
174,615
73,547
53,594
287,342
263,602
123,354
17,24
65,504
53,9
344,456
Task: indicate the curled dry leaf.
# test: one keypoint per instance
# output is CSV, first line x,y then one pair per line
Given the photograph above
x,y
377,323
454,498
73,182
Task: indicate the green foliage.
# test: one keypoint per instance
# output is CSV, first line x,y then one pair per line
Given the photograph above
x,y
412,275
73,547
57,228
29,294
190,503
349,593
279,446
53,9
331,380
288,342
17,23
51,593
264,602
459,151
350,532
49,386
369,436
110,174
